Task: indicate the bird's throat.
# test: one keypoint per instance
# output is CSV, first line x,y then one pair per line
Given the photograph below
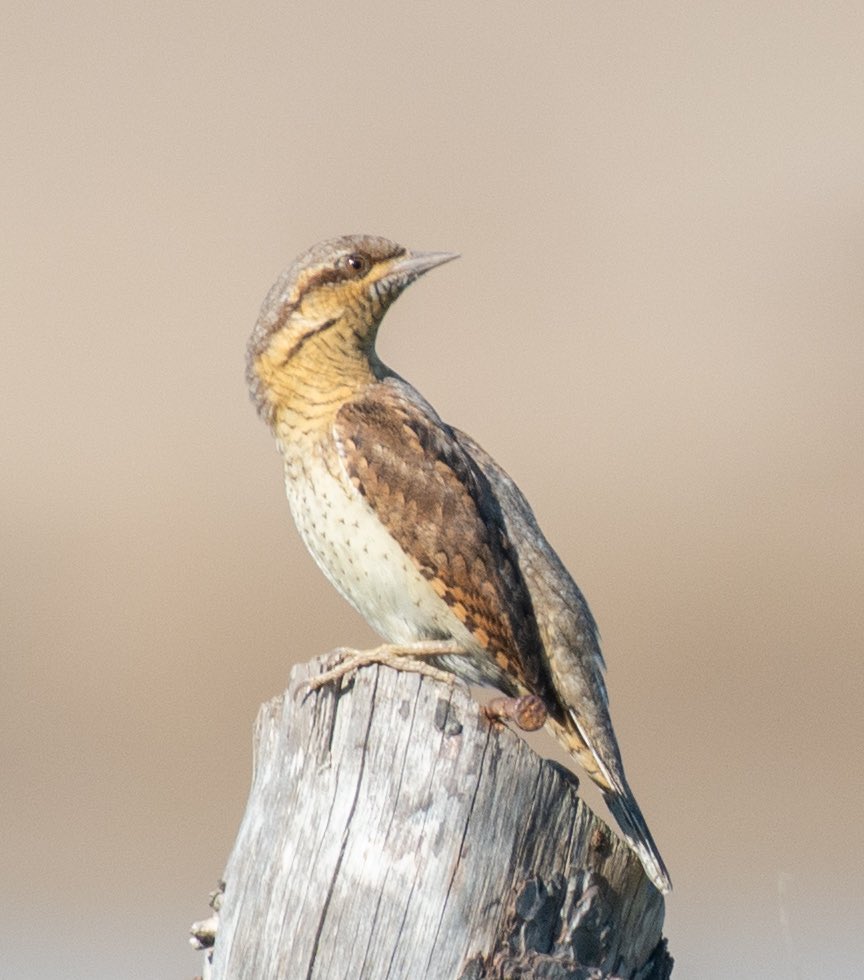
x,y
306,383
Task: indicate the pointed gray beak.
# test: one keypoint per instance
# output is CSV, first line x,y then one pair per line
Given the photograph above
x,y
413,264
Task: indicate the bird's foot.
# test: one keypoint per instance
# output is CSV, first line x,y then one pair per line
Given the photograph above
x,y
527,712
344,661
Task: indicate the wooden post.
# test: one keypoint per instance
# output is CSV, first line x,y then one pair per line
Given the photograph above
x,y
393,831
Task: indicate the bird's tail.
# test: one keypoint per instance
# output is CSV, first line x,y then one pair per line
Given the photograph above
x,y
609,777
626,812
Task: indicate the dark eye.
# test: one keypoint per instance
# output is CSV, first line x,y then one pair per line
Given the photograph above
x,y
356,264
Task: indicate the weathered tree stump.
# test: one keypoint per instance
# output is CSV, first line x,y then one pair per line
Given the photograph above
x,y
393,831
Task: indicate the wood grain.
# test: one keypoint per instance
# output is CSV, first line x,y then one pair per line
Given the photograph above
x,y
391,831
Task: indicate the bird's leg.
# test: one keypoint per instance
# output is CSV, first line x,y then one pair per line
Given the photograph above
x,y
527,712
398,656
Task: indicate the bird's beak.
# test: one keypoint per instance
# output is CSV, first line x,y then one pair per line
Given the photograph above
x,y
412,265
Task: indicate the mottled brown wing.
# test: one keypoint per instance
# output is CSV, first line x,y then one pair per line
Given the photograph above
x,y
428,493
571,645
571,649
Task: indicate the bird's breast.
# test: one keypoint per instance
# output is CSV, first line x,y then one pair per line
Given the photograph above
x,y
358,554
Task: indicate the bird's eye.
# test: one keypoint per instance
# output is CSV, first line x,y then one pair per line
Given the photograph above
x,y
357,264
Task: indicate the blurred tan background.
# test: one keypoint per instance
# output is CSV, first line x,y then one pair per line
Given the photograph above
x,y
657,326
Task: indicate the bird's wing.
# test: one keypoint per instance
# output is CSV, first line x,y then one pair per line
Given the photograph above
x,y
436,503
571,647
473,536
570,637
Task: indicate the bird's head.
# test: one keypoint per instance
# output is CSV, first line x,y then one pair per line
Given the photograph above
x,y
328,303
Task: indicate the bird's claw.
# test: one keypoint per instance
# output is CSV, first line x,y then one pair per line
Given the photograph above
x,y
345,661
339,663
527,712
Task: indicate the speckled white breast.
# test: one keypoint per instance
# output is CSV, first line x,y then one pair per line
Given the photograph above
x,y
359,556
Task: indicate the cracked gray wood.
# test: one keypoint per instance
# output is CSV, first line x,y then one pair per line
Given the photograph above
x,y
393,832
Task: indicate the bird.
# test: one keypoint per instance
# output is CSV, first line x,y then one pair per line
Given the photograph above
x,y
414,523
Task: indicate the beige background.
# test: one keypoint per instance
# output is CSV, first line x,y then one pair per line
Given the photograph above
x,y
656,326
